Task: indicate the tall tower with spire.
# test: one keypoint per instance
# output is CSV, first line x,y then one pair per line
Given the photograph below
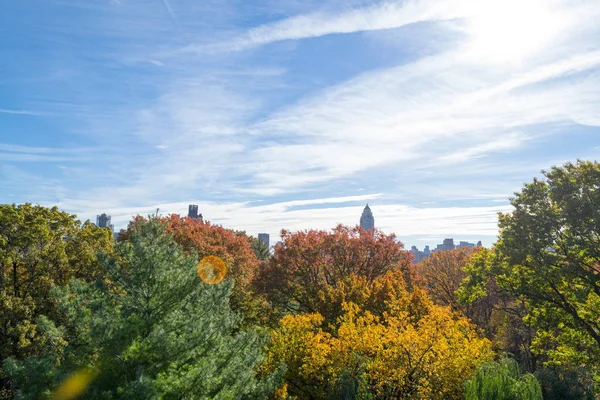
x,y
367,222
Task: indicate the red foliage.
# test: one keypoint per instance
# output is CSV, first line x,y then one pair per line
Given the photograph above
x,y
311,262
214,240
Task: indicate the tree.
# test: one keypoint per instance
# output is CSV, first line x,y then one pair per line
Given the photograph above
x,y
502,380
442,274
566,384
548,256
261,250
204,239
500,314
153,331
549,253
40,248
311,264
416,350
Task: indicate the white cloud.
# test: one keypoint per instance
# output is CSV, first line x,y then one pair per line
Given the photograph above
x,y
383,15
234,124
507,142
398,115
214,132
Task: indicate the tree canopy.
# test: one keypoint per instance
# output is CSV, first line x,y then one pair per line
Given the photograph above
x,y
548,257
40,248
309,265
153,330
204,239
415,349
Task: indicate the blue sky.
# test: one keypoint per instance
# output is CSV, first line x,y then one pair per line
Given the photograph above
x,y
294,114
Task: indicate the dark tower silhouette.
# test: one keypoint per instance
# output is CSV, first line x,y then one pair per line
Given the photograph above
x,y
264,237
103,221
193,212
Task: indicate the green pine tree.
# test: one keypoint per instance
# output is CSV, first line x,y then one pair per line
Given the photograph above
x,y
261,250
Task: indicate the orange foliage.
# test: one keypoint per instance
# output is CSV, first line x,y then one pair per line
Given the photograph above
x,y
318,270
442,273
214,240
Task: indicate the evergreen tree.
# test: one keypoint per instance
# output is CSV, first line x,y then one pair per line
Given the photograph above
x,y
261,250
151,330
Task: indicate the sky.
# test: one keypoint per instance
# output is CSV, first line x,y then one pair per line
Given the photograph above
x,y
294,114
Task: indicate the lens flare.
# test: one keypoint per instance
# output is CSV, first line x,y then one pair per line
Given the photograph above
x,y
74,385
211,270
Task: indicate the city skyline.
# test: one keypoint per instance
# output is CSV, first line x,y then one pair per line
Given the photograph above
x,y
265,236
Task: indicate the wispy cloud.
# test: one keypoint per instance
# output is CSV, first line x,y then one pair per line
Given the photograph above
x,y
508,142
19,112
246,133
44,150
440,110
383,15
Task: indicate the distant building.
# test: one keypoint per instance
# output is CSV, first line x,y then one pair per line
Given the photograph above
x,y
418,255
367,222
103,221
427,252
264,237
448,244
193,212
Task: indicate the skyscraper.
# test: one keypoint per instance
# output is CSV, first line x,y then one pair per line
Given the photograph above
x,y
103,221
264,237
193,212
367,222
448,244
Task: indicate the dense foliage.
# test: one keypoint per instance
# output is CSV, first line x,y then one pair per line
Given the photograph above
x,y
414,350
304,270
547,259
502,380
151,330
204,239
39,248
339,314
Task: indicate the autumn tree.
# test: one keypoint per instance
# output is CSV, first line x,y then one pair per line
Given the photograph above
x,y
153,330
442,274
500,317
415,349
309,265
40,248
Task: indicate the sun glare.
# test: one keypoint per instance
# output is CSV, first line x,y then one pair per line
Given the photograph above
x,y
509,31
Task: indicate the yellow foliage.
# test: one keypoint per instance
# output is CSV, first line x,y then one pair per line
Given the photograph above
x,y
415,350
